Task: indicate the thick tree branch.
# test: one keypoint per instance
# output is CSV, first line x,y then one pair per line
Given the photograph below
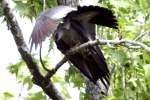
x,y
38,79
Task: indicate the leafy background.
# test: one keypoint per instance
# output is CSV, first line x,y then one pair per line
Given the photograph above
x,y
130,78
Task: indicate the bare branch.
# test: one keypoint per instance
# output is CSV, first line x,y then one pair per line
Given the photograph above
x,y
126,43
113,42
38,79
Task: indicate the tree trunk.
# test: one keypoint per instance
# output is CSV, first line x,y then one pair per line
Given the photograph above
x,y
93,92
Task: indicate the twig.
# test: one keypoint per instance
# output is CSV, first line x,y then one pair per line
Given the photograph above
x,y
38,78
141,35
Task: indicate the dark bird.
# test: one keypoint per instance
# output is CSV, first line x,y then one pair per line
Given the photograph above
x,y
72,27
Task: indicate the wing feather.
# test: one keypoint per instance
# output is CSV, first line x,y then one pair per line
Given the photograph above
x,y
94,14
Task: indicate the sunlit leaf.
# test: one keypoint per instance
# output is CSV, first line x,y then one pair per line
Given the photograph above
x,y
147,70
36,96
8,95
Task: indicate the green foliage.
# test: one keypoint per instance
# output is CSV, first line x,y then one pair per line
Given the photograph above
x,y
59,80
32,8
73,76
22,74
7,96
14,68
131,65
25,80
36,96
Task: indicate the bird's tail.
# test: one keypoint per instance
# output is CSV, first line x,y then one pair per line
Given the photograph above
x,y
92,65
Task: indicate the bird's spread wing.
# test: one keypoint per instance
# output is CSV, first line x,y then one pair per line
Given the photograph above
x,y
94,14
47,23
48,20
43,28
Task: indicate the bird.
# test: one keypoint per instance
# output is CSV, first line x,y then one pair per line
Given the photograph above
x,y
71,27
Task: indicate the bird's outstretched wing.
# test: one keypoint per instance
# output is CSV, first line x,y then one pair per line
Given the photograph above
x,y
47,23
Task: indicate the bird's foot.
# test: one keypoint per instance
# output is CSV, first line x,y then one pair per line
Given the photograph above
x,y
72,49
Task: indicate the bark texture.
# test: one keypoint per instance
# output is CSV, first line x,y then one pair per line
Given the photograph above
x,y
73,3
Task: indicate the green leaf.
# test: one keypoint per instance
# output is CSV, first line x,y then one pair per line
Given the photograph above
x,y
65,92
120,56
14,68
27,80
133,81
74,76
8,95
36,96
147,70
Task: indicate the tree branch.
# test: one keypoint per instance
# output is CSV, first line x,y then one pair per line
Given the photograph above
x,y
38,79
126,43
